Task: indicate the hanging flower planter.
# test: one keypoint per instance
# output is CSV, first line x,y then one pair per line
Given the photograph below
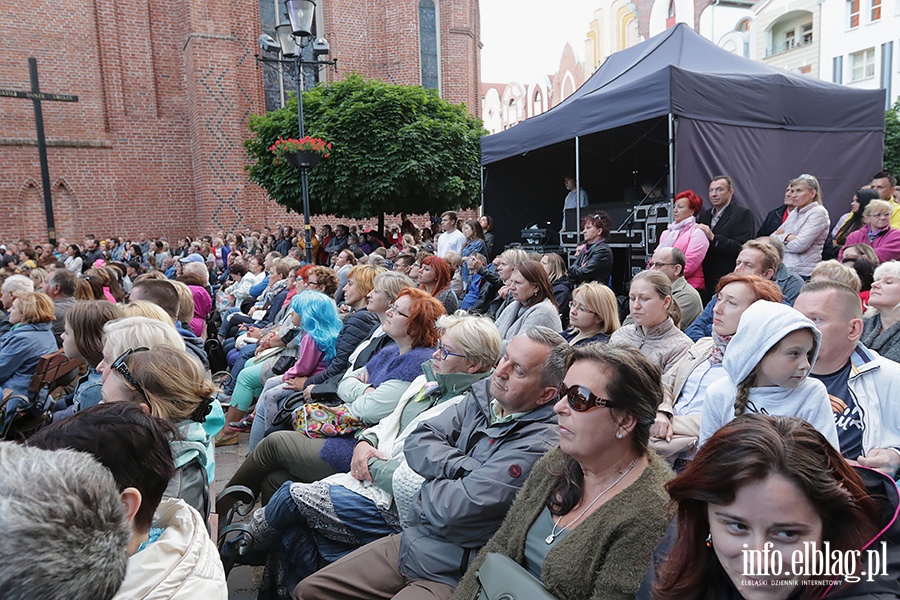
x,y
304,153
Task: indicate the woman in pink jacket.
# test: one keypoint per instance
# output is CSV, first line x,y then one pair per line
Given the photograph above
x,y
683,234
877,232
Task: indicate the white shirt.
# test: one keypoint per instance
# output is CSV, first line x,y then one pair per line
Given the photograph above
x,y
450,240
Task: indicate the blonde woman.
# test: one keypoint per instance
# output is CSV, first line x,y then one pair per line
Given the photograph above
x,y
138,354
806,228
593,314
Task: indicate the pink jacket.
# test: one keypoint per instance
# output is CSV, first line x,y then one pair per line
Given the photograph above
x,y
687,237
310,360
886,245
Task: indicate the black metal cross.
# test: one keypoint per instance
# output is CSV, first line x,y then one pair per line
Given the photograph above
x,y
37,96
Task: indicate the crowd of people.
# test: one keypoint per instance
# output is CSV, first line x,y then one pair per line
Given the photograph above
x,y
434,416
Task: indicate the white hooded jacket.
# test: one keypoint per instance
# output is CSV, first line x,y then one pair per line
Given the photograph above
x,y
181,564
761,327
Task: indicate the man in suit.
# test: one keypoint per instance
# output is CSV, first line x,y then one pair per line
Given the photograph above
x,y
727,226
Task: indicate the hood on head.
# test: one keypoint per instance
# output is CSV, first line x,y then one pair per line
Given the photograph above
x,y
761,327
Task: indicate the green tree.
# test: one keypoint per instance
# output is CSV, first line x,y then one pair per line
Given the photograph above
x,y
892,139
395,149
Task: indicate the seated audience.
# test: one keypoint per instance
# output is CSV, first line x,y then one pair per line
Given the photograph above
x,y
767,367
299,532
484,284
8,289
164,294
60,545
170,553
369,394
60,287
592,509
29,338
533,303
508,261
752,477
655,329
474,457
684,386
861,384
562,286
593,315
881,327
832,270
853,220
671,262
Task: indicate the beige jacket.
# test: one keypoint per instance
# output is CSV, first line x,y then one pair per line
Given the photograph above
x,y
663,344
673,382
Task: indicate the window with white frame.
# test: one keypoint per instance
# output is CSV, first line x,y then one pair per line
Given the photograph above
x,y
853,13
790,39
862,65
875,13
807,34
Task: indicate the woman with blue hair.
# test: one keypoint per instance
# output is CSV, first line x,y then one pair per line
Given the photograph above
x,y
316,316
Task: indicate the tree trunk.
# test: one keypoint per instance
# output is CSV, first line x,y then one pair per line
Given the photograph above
x,y
381,225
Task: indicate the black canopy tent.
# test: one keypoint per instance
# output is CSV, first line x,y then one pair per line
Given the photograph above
x,y
678,99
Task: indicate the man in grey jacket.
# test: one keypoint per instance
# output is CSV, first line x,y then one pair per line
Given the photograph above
x,y
474,456
863,386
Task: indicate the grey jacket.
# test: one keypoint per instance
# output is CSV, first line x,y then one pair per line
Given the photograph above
x,y
472,472
516,319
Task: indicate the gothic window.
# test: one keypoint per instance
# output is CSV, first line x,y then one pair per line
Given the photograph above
x,y
428,44
670,15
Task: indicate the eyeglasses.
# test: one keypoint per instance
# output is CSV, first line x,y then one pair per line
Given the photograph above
x,y
311,282
393,309
580,307
581,398
444,353
122,368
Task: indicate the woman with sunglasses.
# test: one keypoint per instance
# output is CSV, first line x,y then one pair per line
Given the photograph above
x,y
137,366
592,510
296,532
369,394
593,315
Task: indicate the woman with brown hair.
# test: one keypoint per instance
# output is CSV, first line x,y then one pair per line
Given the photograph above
x,y
594,261
773,485
533,302
434,277
656,315
592,509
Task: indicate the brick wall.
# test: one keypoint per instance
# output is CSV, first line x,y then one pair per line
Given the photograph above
x,y
165,87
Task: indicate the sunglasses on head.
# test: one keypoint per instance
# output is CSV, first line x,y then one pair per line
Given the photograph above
x,y
581,398
121,367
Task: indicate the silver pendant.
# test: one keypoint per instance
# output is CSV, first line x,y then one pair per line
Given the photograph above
x,y
549,539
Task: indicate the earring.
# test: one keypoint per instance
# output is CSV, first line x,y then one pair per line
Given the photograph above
x,y
619,435
709,540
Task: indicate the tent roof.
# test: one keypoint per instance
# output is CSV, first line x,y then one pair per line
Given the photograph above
x,y
681,72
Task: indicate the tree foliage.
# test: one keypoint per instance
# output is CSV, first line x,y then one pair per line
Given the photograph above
x,y
395,149
892,139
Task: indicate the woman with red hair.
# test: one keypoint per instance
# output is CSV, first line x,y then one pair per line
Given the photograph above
x,y
434,277
683,234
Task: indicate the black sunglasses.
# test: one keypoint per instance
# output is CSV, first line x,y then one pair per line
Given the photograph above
x,y
582,398
122,368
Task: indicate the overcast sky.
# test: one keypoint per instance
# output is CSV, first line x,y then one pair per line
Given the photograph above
x,y
522,37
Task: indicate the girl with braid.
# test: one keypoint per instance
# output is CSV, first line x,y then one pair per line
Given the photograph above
x,y
767,365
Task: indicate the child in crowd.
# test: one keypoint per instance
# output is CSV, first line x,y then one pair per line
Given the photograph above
x,y
767,365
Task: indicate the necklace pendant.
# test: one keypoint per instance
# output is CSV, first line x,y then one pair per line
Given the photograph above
x,y
549,539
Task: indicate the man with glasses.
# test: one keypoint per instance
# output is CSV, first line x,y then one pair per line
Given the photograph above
x,y
474,456
671,261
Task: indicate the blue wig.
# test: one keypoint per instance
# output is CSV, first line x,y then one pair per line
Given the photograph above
x,y
319,319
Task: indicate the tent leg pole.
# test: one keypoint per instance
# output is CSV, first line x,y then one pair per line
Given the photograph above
x,y
578,188
671,156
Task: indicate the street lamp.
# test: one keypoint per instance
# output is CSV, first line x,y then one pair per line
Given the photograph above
x,y
294,32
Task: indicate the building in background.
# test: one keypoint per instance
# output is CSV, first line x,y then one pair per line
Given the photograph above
x,y
166,87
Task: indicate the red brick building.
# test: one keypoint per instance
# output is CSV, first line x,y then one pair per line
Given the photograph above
x,y
155,143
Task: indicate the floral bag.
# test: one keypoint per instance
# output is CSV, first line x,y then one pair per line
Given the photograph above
x,y
320,421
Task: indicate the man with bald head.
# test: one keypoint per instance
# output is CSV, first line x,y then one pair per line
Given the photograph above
x,y
863,386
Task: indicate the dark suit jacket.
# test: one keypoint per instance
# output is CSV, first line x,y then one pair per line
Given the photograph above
x,y
735,227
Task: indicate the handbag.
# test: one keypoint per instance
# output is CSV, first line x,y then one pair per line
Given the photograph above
x,y
502,578
284,362
320,421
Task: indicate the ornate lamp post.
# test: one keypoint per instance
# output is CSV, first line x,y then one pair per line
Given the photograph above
x,y
294,33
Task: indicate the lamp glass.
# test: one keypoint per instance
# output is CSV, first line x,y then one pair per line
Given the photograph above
x,y
301,13
289,48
